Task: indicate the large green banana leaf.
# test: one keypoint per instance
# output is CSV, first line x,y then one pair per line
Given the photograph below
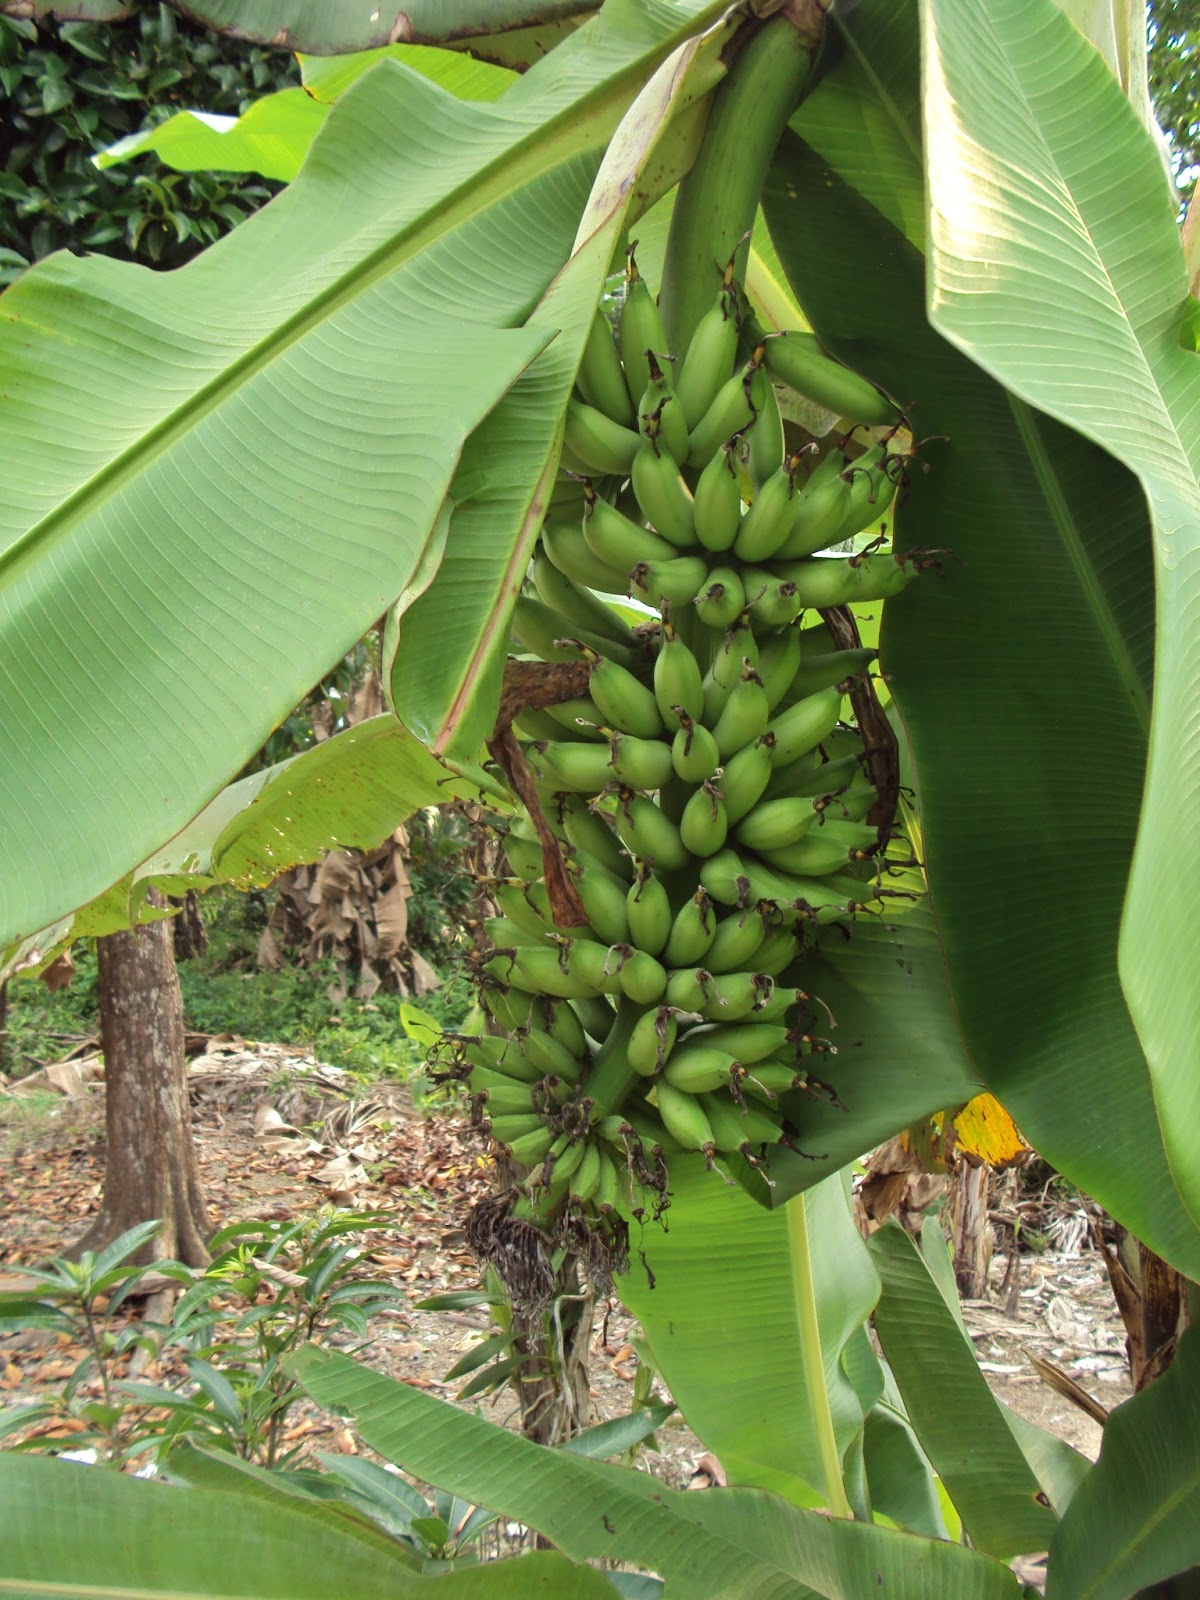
x,y
1022,672
75,1531
1136,1519
260,443
961,1427
273,137
336,27
733,1359
348,791
736,1544
1055,263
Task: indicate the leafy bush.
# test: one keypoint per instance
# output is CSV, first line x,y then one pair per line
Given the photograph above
x,y
73,89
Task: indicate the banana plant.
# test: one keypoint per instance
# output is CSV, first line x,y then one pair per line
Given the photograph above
x,y
363,394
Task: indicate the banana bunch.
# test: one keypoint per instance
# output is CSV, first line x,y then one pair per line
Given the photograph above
x,y
710,798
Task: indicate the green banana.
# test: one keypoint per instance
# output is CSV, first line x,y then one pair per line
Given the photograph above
x,y
699,1068
809,776
731,412
745,776
523,856
739,1130
583,1181
823,672
828,848
664,497
581,718
565,1028
618,541
779,660
773,601
703,826
694,752
543,631
522,904
601,378
767,523
648,913
748,1042
738,648
819,509
577,604
507,1126
652,1040
677,679
798,360
606,1196
736,880
579,768
734,995
669,583
691,932
684,1119
661,419
624,700
803,726
509,1099
723,602
769,1079
603,899
711,353
779,949
568,550
736,940
648,834
744,716
872,480
766,436
550,1055
596,441
576,969
530,1148
639,329
595,1014
827,581
642,978
727,996
590,833
717,511
774,824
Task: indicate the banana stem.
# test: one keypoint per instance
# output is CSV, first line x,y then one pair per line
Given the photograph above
x,y
717,201
812,1357
611,1077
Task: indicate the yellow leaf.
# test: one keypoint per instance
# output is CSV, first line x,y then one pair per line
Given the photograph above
x,y
986,1131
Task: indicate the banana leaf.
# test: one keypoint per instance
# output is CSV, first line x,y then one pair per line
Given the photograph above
x,y
1084,324
732,1358
1025,665
262,441
274,135
1136,1519
323,29
73,1530
735,1544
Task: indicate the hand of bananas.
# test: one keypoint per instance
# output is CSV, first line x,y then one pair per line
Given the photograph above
x,y
710,799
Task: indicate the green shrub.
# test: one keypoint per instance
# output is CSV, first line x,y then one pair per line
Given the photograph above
x,y
74,88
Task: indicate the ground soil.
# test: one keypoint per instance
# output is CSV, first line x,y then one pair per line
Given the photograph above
x,y
277,1134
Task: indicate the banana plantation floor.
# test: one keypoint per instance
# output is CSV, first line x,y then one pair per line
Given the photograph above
x,y
279,1133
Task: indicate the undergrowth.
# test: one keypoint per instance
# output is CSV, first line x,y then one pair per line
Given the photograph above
x,y
225,992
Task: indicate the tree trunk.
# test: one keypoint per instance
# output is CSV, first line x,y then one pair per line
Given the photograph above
x,y
151,1169
972,1230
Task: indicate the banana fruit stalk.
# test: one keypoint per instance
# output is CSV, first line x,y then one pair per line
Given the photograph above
x,y
708,795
